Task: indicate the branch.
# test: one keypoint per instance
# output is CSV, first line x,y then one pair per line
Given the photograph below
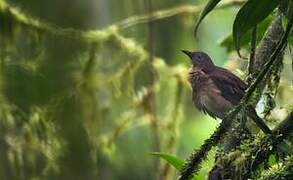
x,y
193,163
268,44
167,13
268,143
24,19
99,35
281,170
285,127
246,163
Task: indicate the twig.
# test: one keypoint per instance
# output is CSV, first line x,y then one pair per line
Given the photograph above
x,y
252,51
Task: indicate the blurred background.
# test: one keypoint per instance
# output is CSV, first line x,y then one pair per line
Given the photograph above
x,y
89,88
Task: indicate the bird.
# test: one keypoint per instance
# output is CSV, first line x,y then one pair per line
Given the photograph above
x,y
216,90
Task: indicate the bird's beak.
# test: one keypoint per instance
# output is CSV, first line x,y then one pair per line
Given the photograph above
x,y
188,53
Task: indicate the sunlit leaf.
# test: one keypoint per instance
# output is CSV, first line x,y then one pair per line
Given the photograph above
x,y
174,161
208,8
252,12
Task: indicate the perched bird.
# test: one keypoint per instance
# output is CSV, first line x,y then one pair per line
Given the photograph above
x,y
216,90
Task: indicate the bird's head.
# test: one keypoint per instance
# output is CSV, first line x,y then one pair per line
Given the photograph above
x,y
199,59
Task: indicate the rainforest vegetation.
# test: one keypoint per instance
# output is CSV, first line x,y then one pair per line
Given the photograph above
x,y
98,89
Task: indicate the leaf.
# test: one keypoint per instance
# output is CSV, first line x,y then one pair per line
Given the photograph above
x,y
175,162
272,160
208,8
245,40
251,13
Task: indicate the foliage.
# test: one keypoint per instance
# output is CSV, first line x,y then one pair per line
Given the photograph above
x,y
251,14
176,163
208,8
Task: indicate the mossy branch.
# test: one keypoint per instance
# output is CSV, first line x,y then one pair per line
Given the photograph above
x,y
193,163
282,170
167,13
257,153
100,35
23,19
268,143
268,44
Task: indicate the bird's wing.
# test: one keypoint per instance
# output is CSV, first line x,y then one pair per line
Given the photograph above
x,y
231,86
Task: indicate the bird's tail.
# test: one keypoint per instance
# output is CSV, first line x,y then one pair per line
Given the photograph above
x,y
258,121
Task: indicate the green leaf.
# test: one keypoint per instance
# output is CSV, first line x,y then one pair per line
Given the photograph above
x,y
251,13
227,42
272,160
175,162
208,8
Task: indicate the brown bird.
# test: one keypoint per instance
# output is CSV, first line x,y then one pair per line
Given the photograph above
x,y
216,90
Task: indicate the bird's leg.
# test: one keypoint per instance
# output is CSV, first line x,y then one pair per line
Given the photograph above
x,y
258,121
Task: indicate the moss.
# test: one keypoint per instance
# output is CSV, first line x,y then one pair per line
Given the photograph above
x,y
281,170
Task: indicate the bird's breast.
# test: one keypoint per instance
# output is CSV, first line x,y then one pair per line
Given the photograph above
x,y
208,98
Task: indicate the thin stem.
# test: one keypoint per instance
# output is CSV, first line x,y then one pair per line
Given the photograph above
x,y
173,127
151,99
252,51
